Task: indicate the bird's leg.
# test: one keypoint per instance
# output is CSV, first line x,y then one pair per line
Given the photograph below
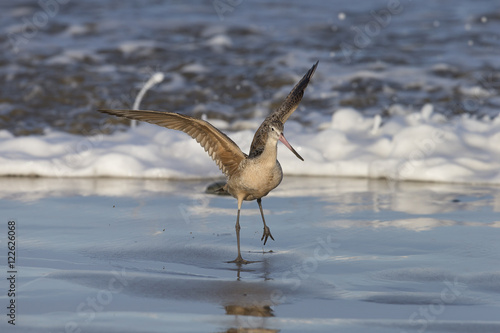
x,y
239,259
267,232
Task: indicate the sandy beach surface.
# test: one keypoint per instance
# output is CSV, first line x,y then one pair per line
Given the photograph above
x,y
350,255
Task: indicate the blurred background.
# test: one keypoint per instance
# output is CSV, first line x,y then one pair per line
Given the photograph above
x,y
236,59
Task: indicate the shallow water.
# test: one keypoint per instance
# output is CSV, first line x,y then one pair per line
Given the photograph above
x,y
349,254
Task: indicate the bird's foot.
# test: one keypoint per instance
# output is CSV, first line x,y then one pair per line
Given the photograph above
x,y
240,261
266,234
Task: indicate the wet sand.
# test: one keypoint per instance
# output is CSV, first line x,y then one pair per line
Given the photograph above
x,y
353,255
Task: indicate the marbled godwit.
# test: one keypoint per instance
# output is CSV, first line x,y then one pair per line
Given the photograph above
x,y
251,176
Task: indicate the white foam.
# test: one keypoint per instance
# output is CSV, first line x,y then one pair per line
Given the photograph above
x,y
219,41
77,30
195,68
417,146
72,56
136,45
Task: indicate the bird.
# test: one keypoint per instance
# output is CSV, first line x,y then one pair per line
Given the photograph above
x,y
248,177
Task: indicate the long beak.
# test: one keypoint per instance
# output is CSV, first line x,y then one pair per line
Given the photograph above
x,y
282,139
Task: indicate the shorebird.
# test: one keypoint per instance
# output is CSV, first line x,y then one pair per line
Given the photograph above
x,y
249,177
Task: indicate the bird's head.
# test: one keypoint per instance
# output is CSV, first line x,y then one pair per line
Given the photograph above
x,y
275,133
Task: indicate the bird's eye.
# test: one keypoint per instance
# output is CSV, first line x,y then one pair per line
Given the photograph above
x,y
272,129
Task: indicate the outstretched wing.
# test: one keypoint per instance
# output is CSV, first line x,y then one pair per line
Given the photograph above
x,y
293,99
226,154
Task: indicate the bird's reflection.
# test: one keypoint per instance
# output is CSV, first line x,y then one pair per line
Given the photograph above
x,y
250,318
250,309
251,330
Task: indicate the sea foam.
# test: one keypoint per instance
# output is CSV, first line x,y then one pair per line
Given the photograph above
x,y
416,146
